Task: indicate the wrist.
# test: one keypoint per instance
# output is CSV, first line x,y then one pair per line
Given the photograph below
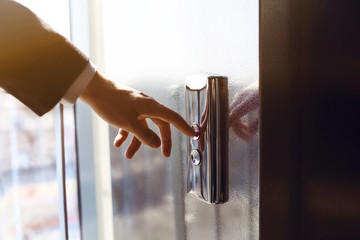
x,y
94,89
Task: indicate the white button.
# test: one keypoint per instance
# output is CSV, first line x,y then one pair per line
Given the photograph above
x,y
195,157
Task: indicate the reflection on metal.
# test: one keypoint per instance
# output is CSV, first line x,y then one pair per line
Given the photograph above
x,y
207,111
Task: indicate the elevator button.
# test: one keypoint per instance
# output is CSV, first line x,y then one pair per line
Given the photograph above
x,y
196,128
195,157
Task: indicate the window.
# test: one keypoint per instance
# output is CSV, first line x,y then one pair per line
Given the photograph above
x,y
29,192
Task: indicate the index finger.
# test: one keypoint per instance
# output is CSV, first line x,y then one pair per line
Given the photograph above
x,y
170,116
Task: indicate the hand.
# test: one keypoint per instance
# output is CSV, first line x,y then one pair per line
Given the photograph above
x,y
244,102
128,109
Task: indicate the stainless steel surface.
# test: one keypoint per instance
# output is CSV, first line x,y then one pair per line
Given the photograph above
x,y
207,107
153,46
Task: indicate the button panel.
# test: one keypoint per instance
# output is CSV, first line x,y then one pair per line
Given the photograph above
x,y
206,111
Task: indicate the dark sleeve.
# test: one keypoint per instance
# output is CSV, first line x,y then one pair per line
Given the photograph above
x,y
37,65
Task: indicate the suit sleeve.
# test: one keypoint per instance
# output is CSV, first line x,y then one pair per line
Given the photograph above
x,y
37,65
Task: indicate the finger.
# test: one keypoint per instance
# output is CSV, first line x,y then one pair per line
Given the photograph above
x,y
248,104
141,130
254,127
205,113
239,98
165,135
132,148
202,143
204,117
120,138
241,131
161,112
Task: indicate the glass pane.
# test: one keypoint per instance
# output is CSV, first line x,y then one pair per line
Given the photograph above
x,y
29,195
28,182
29,191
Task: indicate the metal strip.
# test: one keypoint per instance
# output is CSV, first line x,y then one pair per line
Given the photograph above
x,y
78,173
61,171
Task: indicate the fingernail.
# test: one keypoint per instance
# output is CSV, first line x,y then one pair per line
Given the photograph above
x,y
196,128
128,156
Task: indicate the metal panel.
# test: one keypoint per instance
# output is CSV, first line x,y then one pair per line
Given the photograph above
x,y
207,111
153,46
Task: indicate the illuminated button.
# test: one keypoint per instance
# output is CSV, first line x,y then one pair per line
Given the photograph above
x,y
195,157
196,128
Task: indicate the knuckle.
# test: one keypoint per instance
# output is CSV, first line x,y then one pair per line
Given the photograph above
x,y
152,102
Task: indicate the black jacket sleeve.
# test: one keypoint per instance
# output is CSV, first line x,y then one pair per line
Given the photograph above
x,y
37,65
